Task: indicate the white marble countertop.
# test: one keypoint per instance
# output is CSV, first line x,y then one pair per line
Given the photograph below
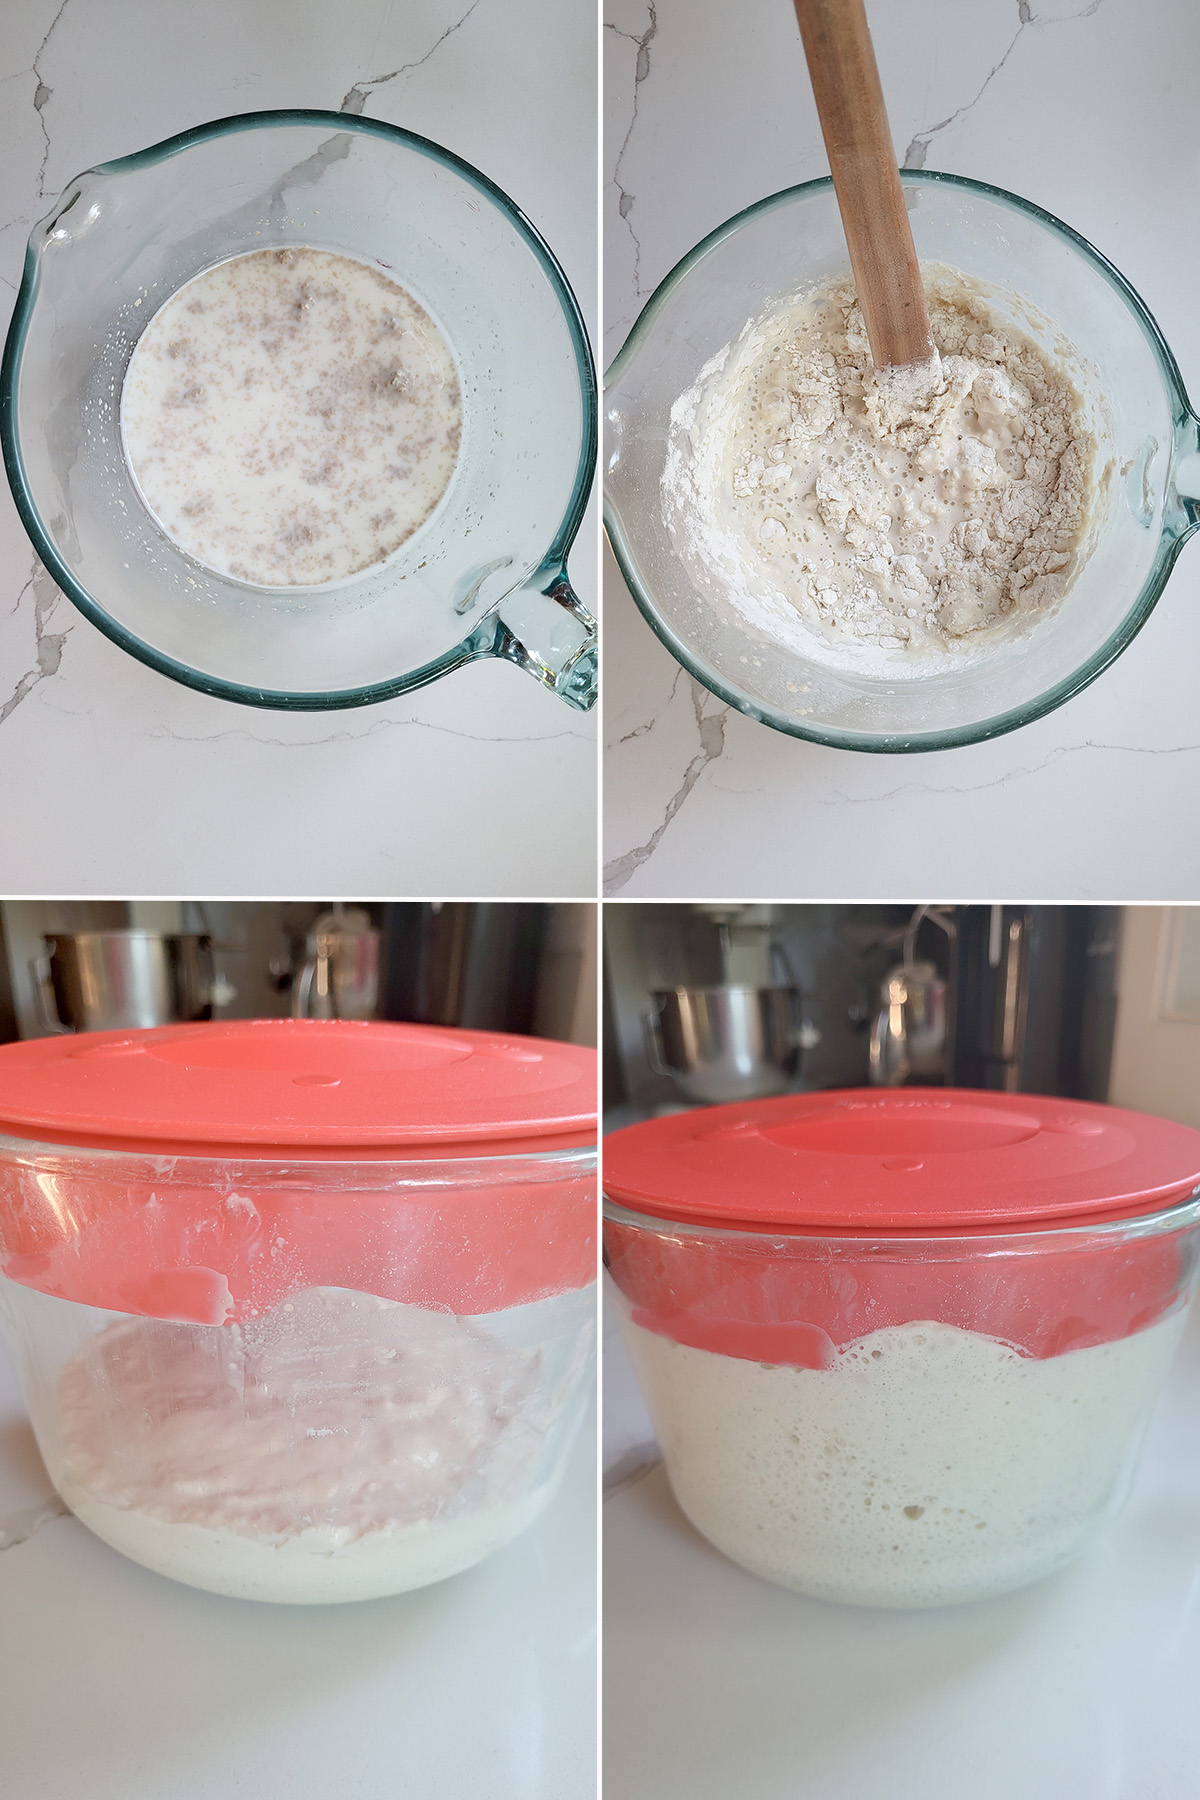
x,y
1081,1687
1087,109
117,1684
117,780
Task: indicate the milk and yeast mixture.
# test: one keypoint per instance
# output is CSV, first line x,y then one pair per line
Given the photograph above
x,y
793,482
340,1447
928,1465
290,417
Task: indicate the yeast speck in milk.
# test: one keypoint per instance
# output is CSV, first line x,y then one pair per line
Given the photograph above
x,y
928,1465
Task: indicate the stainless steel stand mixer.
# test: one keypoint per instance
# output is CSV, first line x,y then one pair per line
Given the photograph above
x,y
740,1039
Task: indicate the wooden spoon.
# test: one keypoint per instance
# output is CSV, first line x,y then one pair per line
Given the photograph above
x,y
862,160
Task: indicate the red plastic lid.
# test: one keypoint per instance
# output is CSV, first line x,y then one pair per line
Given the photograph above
x,y
322,1086
908,1159
172,1240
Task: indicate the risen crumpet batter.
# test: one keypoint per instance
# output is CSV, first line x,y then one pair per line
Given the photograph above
x,y
927,1466
789,477
291,417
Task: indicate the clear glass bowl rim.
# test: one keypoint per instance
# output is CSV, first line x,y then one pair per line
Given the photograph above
x,y
865,1243
10,366
288,1170
886,742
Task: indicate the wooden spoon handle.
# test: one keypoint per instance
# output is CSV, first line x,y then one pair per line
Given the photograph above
x,y
845,80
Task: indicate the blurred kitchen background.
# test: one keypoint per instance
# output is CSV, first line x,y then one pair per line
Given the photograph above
x,y
707,1003
493,966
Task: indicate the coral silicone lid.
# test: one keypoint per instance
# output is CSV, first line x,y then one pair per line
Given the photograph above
x,y
300,1084
906,1159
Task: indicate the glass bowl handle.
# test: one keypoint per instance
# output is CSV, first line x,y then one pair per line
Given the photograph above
x,y
549,632
1183,487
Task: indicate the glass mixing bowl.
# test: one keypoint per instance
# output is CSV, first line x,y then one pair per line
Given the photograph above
x,y
484,576
302,1310
901,1348
1147,428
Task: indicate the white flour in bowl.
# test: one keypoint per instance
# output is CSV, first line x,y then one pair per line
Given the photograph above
x,y
929,1465
291,417
338,1448
792,486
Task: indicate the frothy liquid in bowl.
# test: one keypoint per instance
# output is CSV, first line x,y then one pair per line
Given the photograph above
x,y
291,417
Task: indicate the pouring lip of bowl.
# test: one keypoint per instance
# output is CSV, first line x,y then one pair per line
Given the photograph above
x,y
479,640
1174,534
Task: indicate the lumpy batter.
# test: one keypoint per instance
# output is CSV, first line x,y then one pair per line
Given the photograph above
x,y
790,476
341,1446
928,1465
291,417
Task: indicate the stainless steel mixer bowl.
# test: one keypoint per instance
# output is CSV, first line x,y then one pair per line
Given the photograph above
x,y
119,980
725,1043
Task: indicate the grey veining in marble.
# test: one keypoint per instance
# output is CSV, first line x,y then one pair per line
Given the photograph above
x,y
19,1526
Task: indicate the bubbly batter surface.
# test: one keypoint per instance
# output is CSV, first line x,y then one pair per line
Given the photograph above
x,y
928,1465
291,417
